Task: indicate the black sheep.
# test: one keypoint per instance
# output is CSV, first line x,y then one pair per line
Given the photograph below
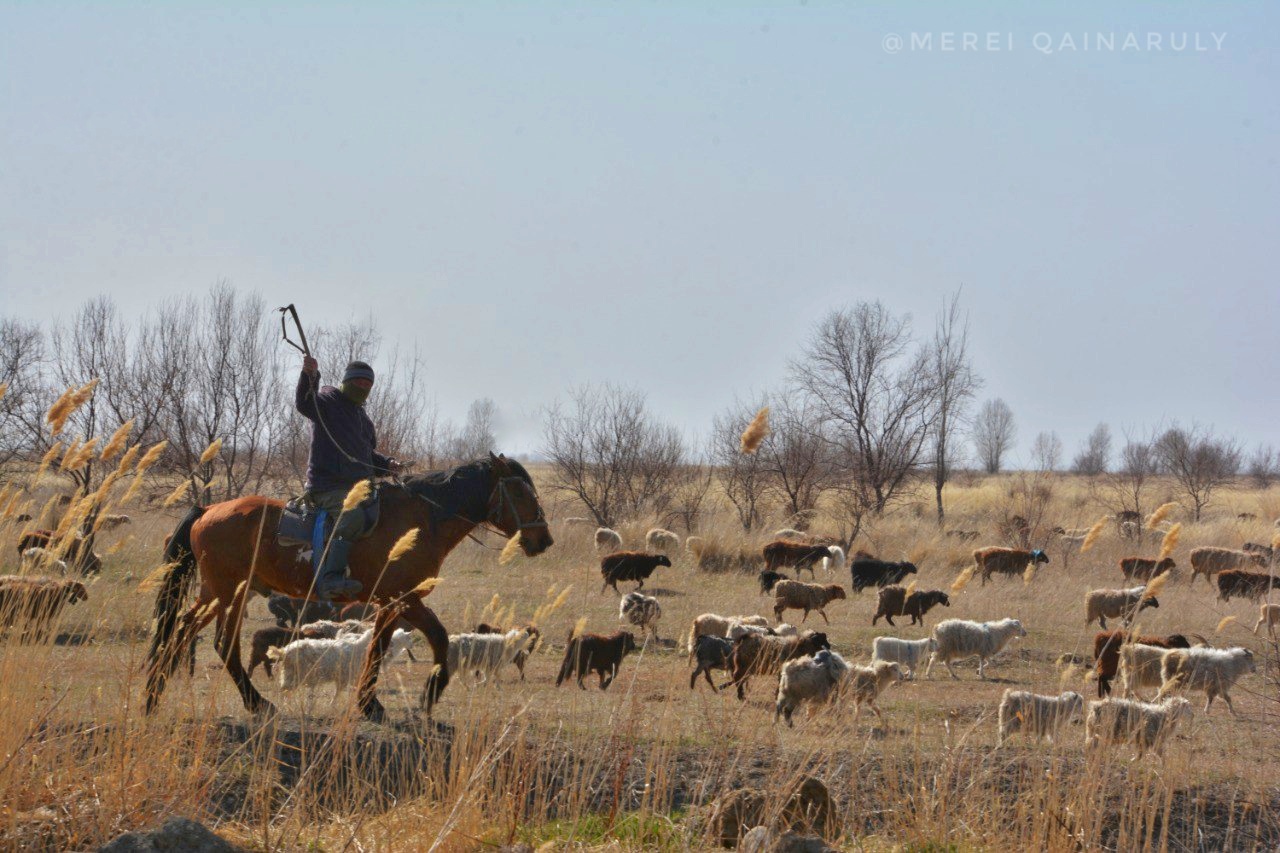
x,y
629,566
866,573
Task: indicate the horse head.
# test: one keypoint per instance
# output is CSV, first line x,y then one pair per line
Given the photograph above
x,y
514,507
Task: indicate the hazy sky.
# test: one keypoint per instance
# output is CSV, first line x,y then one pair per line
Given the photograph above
x,y
670,195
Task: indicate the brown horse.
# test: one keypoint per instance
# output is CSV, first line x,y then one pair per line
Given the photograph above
x,y
233,546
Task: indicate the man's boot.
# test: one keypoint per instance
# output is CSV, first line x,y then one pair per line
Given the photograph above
x,y
332,581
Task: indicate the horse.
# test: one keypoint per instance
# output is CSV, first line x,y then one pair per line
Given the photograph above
x,y
232,546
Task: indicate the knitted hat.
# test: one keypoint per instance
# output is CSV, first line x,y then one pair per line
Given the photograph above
x,y
358,370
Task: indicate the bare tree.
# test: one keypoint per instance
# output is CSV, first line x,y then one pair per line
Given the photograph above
x,y
22,361
1123,490
743,477
956,385
1199,462
993,434
796,456
1095,455
476,438
610,453
874,389
1263,466
1046,451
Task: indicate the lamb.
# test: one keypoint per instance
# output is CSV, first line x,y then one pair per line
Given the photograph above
x,y
292,612
641,610
482,655
1144,724
1140,667
1144,569
960,639
310,663
866,571
782,553
1269,615
1103,604
1006,561
909,653
866,683
1214,671
794,595
1250,585
608,540
809,679
659,541
35,602
713,625
1209,561
595,653
42,560
757,655
894,601
1036,713
768,579
523,656
277,638
835,562
78,552
1106,653
710,653
629,566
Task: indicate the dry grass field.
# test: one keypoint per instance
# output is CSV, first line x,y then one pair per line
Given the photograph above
x,y
635,767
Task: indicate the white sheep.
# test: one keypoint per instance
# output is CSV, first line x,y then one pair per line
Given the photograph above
x,y
1103,604
608,540
1214,671
42,561
738,630
483,655
867,682
1147,725
659,541
310,663
792,534
909,653
640,610
960,639
785,629
1269,615
1036,713
714,625
834,563
1140,667
809,679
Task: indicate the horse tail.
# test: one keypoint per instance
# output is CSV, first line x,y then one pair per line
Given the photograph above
x,y
174,588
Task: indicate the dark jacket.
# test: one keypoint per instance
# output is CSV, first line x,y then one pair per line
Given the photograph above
x,y
337,418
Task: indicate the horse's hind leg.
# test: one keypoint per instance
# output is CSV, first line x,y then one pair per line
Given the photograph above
x,y
367,693
425,620
228,644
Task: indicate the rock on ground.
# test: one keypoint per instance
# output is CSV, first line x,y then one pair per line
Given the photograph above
x,y
176,834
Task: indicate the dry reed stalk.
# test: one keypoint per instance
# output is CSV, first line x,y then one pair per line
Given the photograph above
x,y
403,545
426,586
1160,514
152,456
359,494
210,452
756,432
61,409
1029,575
4,389
50,455
1275,542
73,450
126,461
911,587
118,439
1170,541
183,490
1153,587
132,492
1222,626
510,551
962,579
578,628
155,577
1093,535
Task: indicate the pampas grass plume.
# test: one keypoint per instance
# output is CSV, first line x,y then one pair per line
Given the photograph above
x,y
510,551
1160,514
176,495
359,493
756,431
1170,541
1093,535
60,411
1222,626
152,456
1029,575
426,586
118,439
211,452
4,389
132,492
403,545
962,579
1154,585
578,628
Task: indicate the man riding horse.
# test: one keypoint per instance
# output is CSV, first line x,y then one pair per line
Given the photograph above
x,y
343,452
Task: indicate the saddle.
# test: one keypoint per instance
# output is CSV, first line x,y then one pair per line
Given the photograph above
x,y
303,523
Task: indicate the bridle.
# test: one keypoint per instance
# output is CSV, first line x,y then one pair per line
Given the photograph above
x,y
506,501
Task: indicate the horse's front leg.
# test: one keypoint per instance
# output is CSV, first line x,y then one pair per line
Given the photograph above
x,y
425,620
228,645
367,695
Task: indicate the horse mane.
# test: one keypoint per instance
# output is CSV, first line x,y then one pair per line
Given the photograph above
x,y
460,491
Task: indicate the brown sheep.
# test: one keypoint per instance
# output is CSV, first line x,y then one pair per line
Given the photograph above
x,y
1144,569
807,809
629,566
595,653
1208,561
1006,561
755,654
35,602
781,554
1106,653
1250,585
795,595
894,601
